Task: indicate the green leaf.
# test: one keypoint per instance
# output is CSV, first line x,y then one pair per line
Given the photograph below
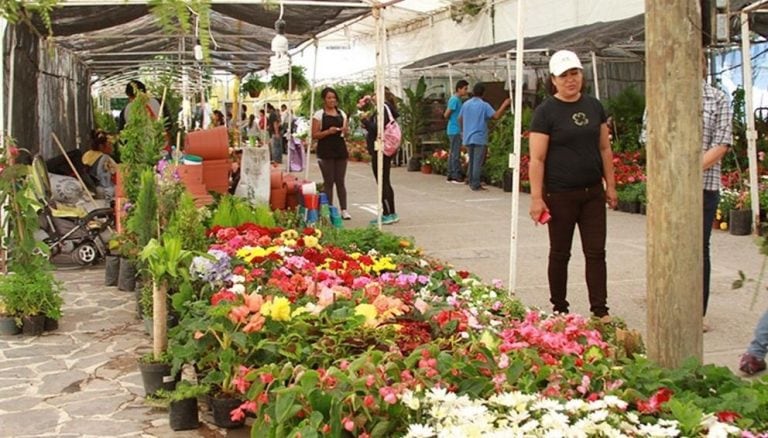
x,y
381,430
284,405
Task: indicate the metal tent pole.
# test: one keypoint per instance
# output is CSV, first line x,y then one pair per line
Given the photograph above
x,y
11,82
3,26
311,113
290,117
515,157
594,75
746,62
379,86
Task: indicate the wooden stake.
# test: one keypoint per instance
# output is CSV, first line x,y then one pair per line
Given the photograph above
x,y
159,319
673,78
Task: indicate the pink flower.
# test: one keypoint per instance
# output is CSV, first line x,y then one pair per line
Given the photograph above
x,y
388,394
239,314
255,323
503,361
266,378
198,335
421,305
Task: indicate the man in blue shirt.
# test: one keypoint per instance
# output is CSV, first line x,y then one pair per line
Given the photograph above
x,y
473,119
454,131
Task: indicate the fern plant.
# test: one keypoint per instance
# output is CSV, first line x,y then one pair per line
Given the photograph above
x,y
141,143
186,223
412,120
143,219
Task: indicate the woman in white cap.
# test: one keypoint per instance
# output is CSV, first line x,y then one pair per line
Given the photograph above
x,y
571,173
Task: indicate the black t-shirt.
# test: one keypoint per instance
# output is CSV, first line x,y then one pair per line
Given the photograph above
x,y
273,118
332,146
573,156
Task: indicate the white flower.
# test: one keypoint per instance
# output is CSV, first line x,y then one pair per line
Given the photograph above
x,y
237,279
657,430
238,289
547,404
575,405
420,431
722,430
612,401
598,416
410,400
554,420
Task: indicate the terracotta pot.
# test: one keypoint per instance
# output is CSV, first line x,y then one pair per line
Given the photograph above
x,y
254,93
216,175
208,144
275,179
426,168
190,174
119,193
277,198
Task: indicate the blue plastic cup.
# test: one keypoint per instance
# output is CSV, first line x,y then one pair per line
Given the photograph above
x,y
334,212
323,198
311,216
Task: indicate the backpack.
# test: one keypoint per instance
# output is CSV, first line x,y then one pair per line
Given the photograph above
x,y
392,135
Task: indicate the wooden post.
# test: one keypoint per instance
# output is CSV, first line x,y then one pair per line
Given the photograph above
x,y
673,77
159,319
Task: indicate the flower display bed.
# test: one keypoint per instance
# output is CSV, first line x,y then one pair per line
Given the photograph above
x,y
326,334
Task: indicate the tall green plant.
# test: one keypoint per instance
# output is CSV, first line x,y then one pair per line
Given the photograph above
x,y
627,112
186,224
412,114
501,144
143,219
141,143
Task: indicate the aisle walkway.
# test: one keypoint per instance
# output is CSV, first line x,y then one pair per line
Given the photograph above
x,y
82,380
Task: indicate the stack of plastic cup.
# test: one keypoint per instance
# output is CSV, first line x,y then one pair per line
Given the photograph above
x,y
311,206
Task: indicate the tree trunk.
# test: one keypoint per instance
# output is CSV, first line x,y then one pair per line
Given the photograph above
x,y
160,317
675,262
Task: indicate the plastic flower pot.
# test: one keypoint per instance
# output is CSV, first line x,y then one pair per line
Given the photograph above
x,y
50,324
126,278
8,326
221,409
183,414
156,376
311,202
741,222
32,325
111,270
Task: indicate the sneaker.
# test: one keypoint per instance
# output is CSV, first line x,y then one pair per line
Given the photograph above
x,y
456,181
478,189
345,215
751,365
390,219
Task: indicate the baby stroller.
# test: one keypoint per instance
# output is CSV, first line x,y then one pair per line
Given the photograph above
x,y
70,229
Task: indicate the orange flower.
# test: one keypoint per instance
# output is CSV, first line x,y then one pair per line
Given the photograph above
x,y
255,324
238,314
253,302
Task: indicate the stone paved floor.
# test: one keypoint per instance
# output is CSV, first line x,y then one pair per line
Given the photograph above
x,y
82,380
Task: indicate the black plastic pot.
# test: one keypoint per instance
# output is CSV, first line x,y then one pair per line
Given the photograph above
x,y
740,222
51,324
112,270
32,325
126,278
183,414
414,164
8,326
221,409
156,376
507,180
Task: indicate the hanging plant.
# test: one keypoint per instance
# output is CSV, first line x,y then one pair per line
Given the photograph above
x,y
177,16
299,80
466,8
17,10
252,85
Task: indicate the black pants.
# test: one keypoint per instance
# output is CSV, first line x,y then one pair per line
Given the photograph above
x,y
388,195
334,172
711,199
585,208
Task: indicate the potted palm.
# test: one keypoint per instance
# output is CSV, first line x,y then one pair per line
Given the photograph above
x,y
252,85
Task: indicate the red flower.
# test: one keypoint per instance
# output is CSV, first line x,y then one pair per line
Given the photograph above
x,y
727,416
653,405
223,295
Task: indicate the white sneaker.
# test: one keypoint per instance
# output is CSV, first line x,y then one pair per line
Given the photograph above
x,y
345,215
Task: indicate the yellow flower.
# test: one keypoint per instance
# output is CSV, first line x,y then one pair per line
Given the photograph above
x,y
318,233
723,226
289,235
289,242
311,242
299,311
384,264
281,309
369,312
249,253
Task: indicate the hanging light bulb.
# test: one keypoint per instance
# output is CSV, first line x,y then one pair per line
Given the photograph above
x,y
279,63
198,51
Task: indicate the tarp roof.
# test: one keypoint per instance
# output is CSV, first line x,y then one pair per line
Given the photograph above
x,y
116,38
620,38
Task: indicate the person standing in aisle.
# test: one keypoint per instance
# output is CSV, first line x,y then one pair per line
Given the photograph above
x,y
370,124
473,121
571,159
454,131
329,125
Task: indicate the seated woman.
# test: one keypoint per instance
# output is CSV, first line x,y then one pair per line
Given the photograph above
x,y
100,166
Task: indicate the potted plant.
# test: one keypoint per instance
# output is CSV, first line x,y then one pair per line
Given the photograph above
x,y
8,325
741,215
156,373
412,120
182,404
29,289
252,85
298,79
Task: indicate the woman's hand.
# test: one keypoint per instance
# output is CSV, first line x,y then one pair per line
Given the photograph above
x,y
611,197
537,208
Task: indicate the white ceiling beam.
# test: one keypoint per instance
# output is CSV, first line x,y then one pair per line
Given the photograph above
x,y
333,4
